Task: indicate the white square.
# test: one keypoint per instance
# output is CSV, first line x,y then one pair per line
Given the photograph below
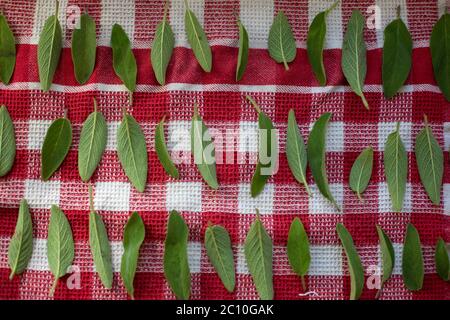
x,y
116,255
386,128
184,196
241,263
446,135
42,194
326,260
447,199
248,136
111,141
112,13
39,261
333,38
194,251
37,129
318,204
388,13
177,13
112,196
398,252
43,10
257,17
385,204
179,136
335,137
263,202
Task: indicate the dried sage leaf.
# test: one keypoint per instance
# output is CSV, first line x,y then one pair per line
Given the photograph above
x,y
298,251
361,172
442,260
176,266
21,244
124,62
7,142
388,257
243,51
440,53
162,151
282,46
133,237
412,262
7,51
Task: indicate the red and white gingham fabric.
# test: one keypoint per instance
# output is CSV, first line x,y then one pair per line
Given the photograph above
x,y
223,107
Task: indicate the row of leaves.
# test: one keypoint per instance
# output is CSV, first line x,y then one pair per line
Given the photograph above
x,y
258,253
397,50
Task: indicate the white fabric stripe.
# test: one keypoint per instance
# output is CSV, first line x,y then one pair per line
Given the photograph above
x,y
373,88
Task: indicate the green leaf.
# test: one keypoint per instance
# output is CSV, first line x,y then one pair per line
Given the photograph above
x,y
397,56
49,50
430,162
354,55
316,156
99,243
296,151
412,262
354,262
176,267
162,48
7,51
243,51
258,254
163,153
124,62
220,253
298,250
133,236
197,39
7,142
361,172
267,136
84,45
92,143
203,150
132,151
282,47
440,53
388,256
396,168
56,146
60,246
315,44
21,245
441,260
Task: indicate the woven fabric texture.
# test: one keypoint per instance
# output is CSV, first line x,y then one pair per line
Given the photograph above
x,y
223,107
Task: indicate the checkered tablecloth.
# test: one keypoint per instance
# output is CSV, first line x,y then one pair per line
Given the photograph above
x,y
223,107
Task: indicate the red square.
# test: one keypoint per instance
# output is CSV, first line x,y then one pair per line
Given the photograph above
x,y
220,19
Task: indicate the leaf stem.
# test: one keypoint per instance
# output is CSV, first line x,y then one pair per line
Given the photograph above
x,y
65,113
425,120
308,189
95,104
91,199
361,199
124,111
186,4
397,128
377,296
365,103
53,288
303,283
286,67
11,276
255,105
130,98
398,12
332,7
166,9
57,9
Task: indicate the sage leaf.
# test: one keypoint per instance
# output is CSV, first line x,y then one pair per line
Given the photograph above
x,y
92,143
56,146
361,172
162,152
7,142
396,168
315,44
296,151
220,253
354,262
316,156
132,151
441,260
203,150
267,151
258,254
49,49
60,246
440,53
99,243
7,51
412,262
243,51
133,236
430,162
21,245
162,48
298,250
388,257
176,267
197,40
282,47
124,62
354,55
84,46
397,56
